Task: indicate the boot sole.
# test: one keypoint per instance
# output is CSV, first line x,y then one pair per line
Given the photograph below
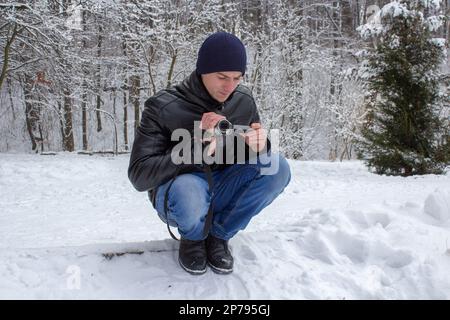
x,y
220,270
192,271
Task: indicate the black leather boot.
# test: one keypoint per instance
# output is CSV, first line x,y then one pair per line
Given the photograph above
x,y
219,256
192,256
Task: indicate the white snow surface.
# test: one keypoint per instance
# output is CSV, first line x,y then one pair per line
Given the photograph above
x,y
337,232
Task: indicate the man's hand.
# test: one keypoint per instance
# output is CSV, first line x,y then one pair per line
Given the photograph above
x,y
208,122
256,138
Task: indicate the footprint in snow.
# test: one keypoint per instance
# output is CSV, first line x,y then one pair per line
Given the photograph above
x,y
366,220
247,253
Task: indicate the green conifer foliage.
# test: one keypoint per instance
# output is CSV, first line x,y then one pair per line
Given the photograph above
x,y
404,133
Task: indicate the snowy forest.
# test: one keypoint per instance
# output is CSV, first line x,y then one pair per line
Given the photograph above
x,y
359,91
75,74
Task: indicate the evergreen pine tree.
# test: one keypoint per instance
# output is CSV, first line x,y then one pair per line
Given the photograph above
x,y
404,134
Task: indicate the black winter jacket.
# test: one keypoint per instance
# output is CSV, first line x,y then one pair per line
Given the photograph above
x,y
178,107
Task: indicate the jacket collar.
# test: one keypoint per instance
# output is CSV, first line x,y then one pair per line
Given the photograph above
x,y
193,90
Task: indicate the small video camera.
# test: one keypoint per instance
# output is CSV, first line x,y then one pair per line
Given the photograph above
x,y
225,127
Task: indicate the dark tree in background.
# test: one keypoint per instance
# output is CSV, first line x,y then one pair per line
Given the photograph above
x,y
405,134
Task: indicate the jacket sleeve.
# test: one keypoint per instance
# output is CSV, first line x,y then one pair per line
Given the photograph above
x,y
150,160
256,118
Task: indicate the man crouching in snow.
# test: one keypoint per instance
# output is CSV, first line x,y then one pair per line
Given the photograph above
x,y
208,200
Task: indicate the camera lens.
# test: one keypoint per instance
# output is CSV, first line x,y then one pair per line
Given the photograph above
x,y
223,125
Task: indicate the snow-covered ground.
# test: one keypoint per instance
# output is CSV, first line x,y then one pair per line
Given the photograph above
x,y
337,232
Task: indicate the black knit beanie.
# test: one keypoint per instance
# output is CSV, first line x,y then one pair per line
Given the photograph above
x,y
221,51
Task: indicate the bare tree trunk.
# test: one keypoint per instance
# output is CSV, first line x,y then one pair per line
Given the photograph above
x,y
29,122
335,88
358,16
11,102
125,102
364,12
125,120
447,22
295,79
41,136
150,74
135,83
84,126
84,117
347,26
171,68
68,140
6,54
114,101
99,92
31,114
61,122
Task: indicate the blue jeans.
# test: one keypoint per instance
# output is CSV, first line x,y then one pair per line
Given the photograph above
x,y
240,192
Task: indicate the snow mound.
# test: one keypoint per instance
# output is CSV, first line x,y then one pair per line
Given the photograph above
x,y
304,262
437,205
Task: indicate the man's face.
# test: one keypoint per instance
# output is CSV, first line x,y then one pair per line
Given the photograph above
x,y
221,84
